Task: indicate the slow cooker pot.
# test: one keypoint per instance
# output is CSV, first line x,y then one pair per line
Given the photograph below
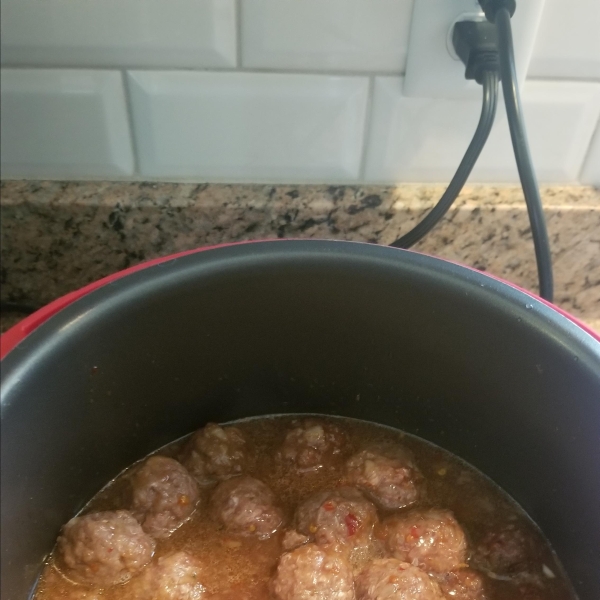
x,y
444,352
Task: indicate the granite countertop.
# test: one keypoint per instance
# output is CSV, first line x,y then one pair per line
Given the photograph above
x,y
58,236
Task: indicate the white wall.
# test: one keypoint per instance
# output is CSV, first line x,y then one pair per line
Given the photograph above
x,y
270,90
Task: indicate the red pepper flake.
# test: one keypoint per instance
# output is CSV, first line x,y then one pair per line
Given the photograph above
x,y
414,531
352,523
328,506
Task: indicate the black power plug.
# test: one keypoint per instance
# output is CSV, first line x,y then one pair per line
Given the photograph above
x,y
491,7
476,43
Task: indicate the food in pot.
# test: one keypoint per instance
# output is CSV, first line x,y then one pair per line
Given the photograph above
x,y
176,576
504,550
342,516
462,584
313,572
392,579
104,548
313,444
215,453
246,506
396,519
294,539
56,581
387,474
164,495
430,539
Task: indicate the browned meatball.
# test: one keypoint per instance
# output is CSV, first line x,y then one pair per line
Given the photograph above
x,y
313,572
215,453
340,516
246,506
464,584
104,548
392,579
313,445
174,577
430,539
386,474
164,495
504,550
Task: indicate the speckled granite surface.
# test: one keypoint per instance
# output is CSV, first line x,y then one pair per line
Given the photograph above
x,y
58,236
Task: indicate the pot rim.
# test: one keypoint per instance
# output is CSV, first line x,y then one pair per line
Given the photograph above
x,y
16,334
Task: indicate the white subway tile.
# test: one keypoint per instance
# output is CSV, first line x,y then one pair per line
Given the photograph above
x,y
417,139
591,169
326,34
568,41
248,126
119,33
59,123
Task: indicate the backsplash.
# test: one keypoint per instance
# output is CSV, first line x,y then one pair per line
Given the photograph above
x,y
295,91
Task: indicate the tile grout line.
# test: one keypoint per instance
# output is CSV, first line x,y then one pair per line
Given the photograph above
x,y
366,130
257,70
129,108
238,34
186,180
260,70
214,69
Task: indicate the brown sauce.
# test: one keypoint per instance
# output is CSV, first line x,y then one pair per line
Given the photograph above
x,y
240,568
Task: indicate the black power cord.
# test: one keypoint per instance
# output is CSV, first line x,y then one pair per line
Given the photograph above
x,y
487,49
518,134
474,44
486,120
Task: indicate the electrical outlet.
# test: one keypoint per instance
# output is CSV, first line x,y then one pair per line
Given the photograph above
x,y
433,70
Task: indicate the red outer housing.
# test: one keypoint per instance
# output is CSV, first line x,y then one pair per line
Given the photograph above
x,y
21,330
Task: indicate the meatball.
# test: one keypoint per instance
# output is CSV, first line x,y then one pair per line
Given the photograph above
x,y
387,475
464,584
313,572
173,577
164,495
339,516
292,539
215,453
313,445
246,506
504,550
430,539
104,548
392,579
